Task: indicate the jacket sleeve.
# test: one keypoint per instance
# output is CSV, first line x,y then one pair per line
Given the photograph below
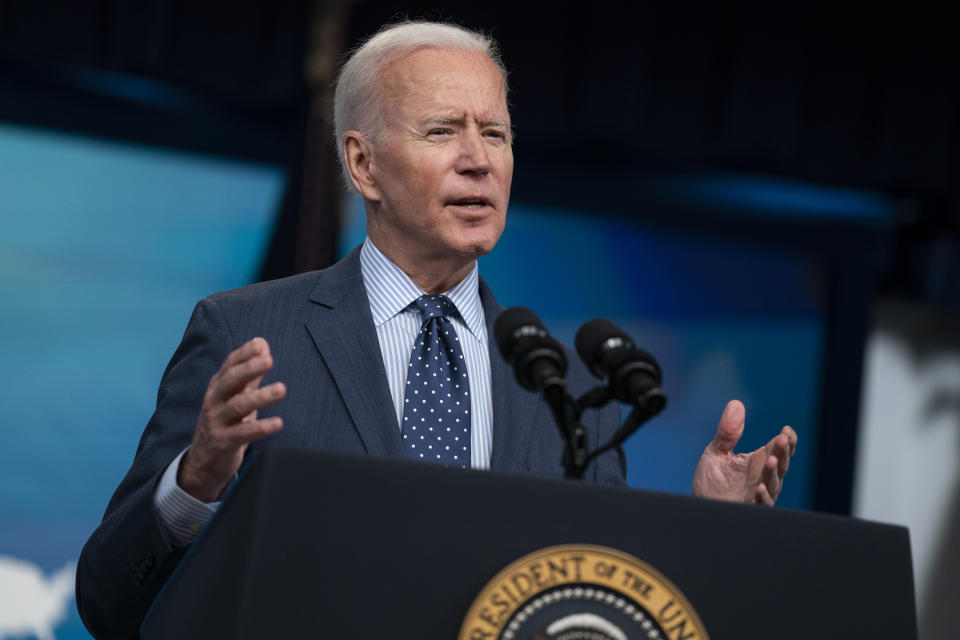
x,y
127,559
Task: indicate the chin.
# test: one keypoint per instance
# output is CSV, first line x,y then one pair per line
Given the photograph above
x,y
477,249
480,244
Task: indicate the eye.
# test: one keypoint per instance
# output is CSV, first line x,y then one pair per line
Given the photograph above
x,y
439,131
495,134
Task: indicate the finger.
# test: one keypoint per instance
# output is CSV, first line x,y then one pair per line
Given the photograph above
x,y
243,404
769,477
253,384
781,451
249,349
247,432
763,496
730,427
791,438
239,376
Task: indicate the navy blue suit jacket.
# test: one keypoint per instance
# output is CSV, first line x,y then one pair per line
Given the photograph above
x,y
326,351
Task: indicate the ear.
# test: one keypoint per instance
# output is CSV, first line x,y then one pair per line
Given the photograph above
x,y
357,153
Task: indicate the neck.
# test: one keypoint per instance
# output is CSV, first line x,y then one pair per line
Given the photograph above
x,y
434,274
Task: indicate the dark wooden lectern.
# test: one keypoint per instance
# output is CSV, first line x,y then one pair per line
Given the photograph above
x,y
312,545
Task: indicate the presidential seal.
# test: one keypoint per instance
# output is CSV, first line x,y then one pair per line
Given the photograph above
x,y
581,592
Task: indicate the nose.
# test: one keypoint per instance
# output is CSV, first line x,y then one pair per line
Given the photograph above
x,y
473,158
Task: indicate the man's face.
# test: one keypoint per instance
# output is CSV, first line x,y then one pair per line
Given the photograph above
x,y
442,170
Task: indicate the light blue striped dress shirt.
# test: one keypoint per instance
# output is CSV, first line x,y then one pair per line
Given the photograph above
x,y
391,293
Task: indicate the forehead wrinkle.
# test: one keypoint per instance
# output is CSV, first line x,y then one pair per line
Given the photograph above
x,y
401,86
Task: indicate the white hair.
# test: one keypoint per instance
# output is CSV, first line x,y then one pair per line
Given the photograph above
x,y
357,104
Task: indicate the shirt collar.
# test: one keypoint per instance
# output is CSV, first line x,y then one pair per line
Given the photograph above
x,y
391,291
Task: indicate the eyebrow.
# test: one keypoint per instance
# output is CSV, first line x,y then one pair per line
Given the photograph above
x,y
460,120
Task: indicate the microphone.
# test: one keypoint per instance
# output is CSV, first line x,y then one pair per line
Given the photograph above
x,y
634,375
539,365
537,359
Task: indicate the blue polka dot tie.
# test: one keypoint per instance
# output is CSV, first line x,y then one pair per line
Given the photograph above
x,y
436,403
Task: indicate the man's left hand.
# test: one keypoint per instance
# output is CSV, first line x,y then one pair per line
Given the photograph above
x,y
754,477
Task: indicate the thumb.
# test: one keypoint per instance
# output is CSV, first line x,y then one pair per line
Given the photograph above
x,y
730,428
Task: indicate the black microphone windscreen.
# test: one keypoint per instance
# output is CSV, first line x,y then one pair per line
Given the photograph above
x,y
507,324
589,338
645,357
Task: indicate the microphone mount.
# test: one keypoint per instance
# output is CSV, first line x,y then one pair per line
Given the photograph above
x,y
632,376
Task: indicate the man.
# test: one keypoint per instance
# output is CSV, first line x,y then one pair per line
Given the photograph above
x,y
329,359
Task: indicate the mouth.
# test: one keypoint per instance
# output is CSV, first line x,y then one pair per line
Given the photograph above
x,y
472,203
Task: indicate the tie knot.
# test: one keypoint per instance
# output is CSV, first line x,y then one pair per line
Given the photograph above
x,y
434,306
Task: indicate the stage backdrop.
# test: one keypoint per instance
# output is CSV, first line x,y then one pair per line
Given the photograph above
x,y
107,247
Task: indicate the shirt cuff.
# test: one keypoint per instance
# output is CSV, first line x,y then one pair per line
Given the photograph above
x,y
182,517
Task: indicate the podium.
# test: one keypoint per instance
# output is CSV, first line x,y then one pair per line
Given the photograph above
x,y
314,545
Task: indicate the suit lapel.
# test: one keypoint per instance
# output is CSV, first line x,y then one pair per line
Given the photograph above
x,y
341,326
342,330
514,409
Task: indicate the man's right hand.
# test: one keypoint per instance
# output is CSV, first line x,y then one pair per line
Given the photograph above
x,y
228,421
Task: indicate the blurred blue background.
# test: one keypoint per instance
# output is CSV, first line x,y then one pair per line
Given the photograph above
x,y
105,250
109,245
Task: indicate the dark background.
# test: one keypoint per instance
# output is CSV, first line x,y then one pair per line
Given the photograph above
x,y
853,94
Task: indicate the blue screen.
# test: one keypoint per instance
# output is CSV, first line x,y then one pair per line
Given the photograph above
x,y
105,249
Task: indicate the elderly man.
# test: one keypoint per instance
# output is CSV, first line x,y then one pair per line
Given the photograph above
x,y
340,359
